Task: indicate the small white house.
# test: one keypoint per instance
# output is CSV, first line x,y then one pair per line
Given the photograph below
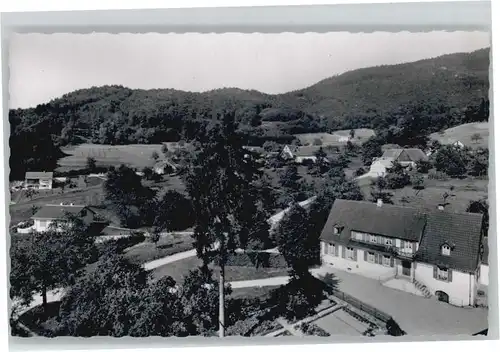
x,y
436,252
458,144
39,180
49,213
299,154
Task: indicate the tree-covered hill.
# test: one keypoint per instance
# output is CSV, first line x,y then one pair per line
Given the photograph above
x,y
371,97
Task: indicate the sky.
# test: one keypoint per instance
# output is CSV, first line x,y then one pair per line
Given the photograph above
x,y
44,67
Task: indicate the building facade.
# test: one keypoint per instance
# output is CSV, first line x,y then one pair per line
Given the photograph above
x,y
39,180
48,214
437,251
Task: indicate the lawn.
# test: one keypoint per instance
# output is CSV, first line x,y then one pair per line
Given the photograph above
x,y
464,191
136,155
463,133
177,270
182,267
167,245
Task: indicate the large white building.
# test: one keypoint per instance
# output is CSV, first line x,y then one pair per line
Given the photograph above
x,y
438,252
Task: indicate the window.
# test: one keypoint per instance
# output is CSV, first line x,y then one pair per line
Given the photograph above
x,y
388,241
445,250
359,236
407,245
350,253
373,238
371,257
386,260
331,249
335,230
442,274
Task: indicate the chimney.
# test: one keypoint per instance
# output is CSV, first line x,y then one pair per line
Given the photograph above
x,y
379,202
440,207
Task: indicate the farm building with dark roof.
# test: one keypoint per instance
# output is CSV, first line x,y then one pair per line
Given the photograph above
x,y
435,250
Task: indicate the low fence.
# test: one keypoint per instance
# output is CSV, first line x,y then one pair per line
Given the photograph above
x,y
362,306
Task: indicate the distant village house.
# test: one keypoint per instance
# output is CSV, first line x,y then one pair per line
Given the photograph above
x,y
39,180
406,156
436,252
164,167
299,154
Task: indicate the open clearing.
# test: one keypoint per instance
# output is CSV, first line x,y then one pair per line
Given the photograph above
x,y
167,245
463,133
134,155
463,192
361,135
177,270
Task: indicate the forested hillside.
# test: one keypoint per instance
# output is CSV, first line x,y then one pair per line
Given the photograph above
x,y
441,92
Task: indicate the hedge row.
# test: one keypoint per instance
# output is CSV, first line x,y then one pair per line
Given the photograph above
x,y
258,259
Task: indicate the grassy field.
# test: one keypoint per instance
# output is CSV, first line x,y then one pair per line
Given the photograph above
x,y
167,245
463,192
463,133
180,268
361,135
134,155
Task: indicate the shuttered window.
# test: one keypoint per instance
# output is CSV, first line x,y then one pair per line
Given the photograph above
x,y
350,253
386,261
371,257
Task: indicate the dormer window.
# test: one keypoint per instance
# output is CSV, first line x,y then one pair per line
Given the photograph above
x,y
337,229
445,249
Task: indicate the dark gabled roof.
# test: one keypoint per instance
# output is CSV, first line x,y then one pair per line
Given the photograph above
x,y
39,175
51,212
392,153
463,230
414,154
432,228
387,220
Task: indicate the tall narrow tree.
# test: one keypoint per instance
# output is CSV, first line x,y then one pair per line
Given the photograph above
x,y
224,199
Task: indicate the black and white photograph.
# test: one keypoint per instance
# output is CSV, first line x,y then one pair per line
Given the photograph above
x,y
249,184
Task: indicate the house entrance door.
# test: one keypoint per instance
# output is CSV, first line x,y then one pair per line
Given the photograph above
x,y
406,268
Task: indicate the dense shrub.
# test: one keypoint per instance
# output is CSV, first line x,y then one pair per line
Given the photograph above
x,y
313,330
359,172
257,259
